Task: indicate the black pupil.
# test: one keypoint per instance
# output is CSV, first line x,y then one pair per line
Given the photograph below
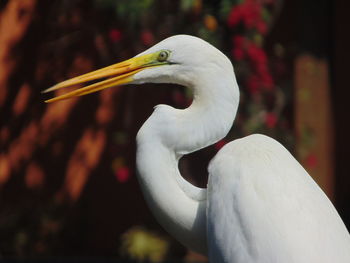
x,y
162,55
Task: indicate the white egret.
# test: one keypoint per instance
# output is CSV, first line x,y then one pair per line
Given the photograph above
x,y
260,204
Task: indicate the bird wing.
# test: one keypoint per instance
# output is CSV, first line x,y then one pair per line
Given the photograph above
x,y
264,207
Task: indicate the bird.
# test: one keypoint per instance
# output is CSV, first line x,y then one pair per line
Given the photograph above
x,y
260,205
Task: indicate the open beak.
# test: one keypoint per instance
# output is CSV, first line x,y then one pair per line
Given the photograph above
x,y
114,75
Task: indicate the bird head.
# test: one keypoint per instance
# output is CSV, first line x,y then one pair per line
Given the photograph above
x,y
177,59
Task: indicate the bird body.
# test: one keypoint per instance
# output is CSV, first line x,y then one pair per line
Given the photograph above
x,y
260,204
277,212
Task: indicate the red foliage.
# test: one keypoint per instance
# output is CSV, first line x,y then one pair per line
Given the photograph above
x,y
253,84
256,54
235,16
122,174
115,35
258,58
249,13
147,38
220,144
311,160
271,120
238,41
238,54
261,27
238,50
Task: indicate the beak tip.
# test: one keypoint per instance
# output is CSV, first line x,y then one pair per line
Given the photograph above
x,y
48,90
114,75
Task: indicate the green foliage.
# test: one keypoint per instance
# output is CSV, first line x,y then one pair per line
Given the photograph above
x,y
130,10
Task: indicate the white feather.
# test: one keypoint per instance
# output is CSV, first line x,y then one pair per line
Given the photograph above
x,y
271,208
261,205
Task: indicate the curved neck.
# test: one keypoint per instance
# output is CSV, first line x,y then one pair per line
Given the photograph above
x,y
170,133
177,205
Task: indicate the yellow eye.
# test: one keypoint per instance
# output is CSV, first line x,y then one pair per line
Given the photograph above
x,y
163,56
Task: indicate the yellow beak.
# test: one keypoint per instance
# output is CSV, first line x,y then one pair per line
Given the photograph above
x,y
114,75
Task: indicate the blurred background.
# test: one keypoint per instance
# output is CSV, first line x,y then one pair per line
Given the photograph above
x,y
68,187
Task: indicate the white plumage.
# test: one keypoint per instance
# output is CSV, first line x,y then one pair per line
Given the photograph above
x,y
260,204
276,211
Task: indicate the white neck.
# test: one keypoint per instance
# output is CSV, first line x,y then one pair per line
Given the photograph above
x,y
170,133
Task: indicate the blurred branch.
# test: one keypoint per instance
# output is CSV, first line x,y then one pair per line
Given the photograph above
x,y
14,21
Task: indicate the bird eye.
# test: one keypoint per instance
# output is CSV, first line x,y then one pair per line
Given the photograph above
x,y
163,56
